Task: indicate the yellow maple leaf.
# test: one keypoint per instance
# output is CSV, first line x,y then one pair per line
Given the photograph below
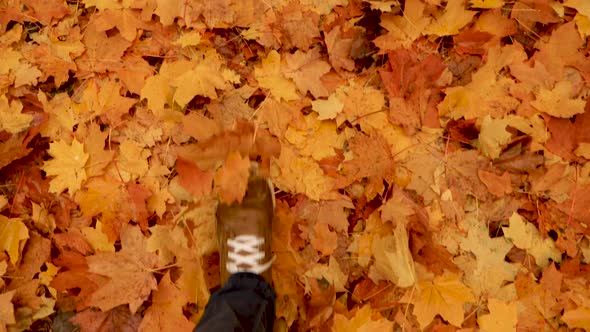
x,y
167,240
331,272
558,102
502,317
46,276
583,24
487,93
577,318
192,280
11,118
306,69
327,108
108,4
12,231
294,173
319,139
94,139
362,105
97,239
61,113
204,77
270,77
26,74
191,38
42,218
364,320
526,236
582,6
157,89
68,166
393,258
445,296
132,161
483,254
402,30
486,4
167,10
454,18
111,207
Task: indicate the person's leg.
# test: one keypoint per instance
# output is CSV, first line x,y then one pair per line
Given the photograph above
x,y
245,303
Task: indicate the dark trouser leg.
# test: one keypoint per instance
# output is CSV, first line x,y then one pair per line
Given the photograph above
x,y
245,303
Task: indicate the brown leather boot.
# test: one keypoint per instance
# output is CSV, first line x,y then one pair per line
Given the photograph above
x,y
244,231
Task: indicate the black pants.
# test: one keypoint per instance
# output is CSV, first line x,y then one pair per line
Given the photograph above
x,y
245,303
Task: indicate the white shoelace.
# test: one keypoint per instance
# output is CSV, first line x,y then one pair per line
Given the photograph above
x,y
244,250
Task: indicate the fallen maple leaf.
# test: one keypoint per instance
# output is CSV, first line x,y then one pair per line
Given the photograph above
x,y
68,166
331,272
486,3
165,314
118,319
271,77
373,160
12,231
7,310
393,258
445,295
167,241
364,320
403,30
525,236
11,118
197,182
454,17
559,101
325,240
231,179
502,317
577,318
306,70
129,269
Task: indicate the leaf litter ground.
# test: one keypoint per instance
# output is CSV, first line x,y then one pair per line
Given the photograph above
x,y
430,159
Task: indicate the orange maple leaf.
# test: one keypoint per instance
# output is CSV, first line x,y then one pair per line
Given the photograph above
x,y
131,279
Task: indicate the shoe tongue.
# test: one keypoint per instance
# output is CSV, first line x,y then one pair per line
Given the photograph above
x,y
246,221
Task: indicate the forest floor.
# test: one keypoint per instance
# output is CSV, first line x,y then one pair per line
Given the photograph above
x,y
430,160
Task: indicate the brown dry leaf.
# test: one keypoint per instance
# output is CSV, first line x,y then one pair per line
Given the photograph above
x,y
7,311
373,160
325,240
129,269
339,49
119,319
498,185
